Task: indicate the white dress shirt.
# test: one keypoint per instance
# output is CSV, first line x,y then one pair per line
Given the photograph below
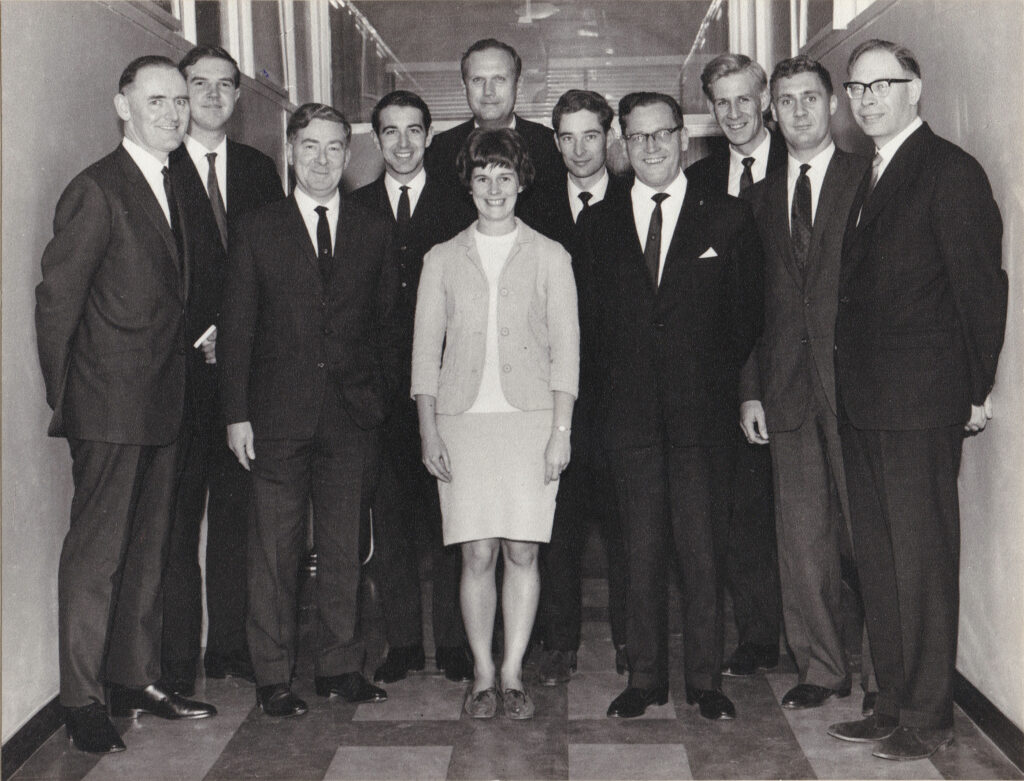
x,y
816,173
643,208
597,193
394,190
757,170
198,153
888,150
307,207
153,171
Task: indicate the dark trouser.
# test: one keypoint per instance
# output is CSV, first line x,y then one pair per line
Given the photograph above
x,y
905,514
108,584
677,494
406,519
811,521
751,567
206,463
586,498
336,470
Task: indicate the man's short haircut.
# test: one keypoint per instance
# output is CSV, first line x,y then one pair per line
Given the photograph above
x,y
145,61
905,57
492,43
400,97
582,100
636,99
196,53
726,65
307,112
503,147
801,64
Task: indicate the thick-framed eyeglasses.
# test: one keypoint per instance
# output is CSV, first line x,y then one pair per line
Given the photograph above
x,y
661,136
879,87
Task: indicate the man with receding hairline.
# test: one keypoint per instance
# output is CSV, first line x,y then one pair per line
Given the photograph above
x,y
922,310
110,316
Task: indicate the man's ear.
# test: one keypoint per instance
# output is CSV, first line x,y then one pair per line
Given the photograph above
x,y
766,100
429,137
914,91
122,107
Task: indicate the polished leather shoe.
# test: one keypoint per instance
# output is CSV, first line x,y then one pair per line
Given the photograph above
x,y
456,661
748,658
556,667
179,677
807,695
869,730
156,701
278,701
712,703
234,665
399,662
90,729
867,706
633,701
621,660
351,687
907,743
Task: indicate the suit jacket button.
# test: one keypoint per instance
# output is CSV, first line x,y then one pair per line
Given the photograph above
x,y
659,325
321,365
506,368
844,300
504,291
504,331
804,340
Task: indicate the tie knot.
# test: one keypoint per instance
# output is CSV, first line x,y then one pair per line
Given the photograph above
x,y
748,162
165,171
404,188
321,210
212,157
804,168
658,198
585,197
876,160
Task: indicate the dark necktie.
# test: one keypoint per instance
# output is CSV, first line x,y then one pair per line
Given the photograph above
x,y
403,215
585,197
747,177
800,216
876,166
172,207
323,244
652,249
216,201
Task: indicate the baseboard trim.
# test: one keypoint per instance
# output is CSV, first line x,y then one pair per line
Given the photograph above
x,y
27,740
990,720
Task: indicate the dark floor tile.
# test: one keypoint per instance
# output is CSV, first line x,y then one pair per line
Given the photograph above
x,y
505,749
973,755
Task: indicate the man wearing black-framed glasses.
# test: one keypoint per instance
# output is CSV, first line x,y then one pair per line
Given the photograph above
x,y
670,295
922,308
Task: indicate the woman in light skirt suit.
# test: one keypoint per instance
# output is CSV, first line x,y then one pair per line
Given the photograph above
x,y
494,374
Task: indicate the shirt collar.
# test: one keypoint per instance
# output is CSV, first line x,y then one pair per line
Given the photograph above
x,y
198,152
889,148
416,185
676,189
598,190
511,123
307,205
760,151
144,159
818,163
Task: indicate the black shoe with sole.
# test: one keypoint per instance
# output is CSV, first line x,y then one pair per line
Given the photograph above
x,y
156,701
713,704
278,701
351,687
868,730
909,743
633,701
90,729
748,658
398,662
807,695
456,661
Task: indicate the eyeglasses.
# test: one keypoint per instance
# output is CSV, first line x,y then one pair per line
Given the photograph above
x,y
879,87
661,136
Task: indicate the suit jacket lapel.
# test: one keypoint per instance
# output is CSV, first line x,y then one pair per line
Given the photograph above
x,y
688,239
144,197
299,236
902,167
778,216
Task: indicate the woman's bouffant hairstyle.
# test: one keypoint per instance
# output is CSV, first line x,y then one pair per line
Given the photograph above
x,y
502,147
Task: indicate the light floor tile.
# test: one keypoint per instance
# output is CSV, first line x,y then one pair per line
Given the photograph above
x,y
628,761
833,758
418,697
155,746
393,763
590,694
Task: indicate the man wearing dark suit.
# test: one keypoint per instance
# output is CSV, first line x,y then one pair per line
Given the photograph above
x,y
311,337
406,511
736,89
582,120
217,180
110,315
788,385
671,295
922,308
491,71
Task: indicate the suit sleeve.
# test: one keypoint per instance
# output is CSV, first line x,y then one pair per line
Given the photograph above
x,y
968,229
392,331
81,233
238,326
269,183
429,328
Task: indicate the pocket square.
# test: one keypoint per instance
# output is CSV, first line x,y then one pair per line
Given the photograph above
x,y
709,253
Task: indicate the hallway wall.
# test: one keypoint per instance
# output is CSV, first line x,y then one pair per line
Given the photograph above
x,y
61,62
972,75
